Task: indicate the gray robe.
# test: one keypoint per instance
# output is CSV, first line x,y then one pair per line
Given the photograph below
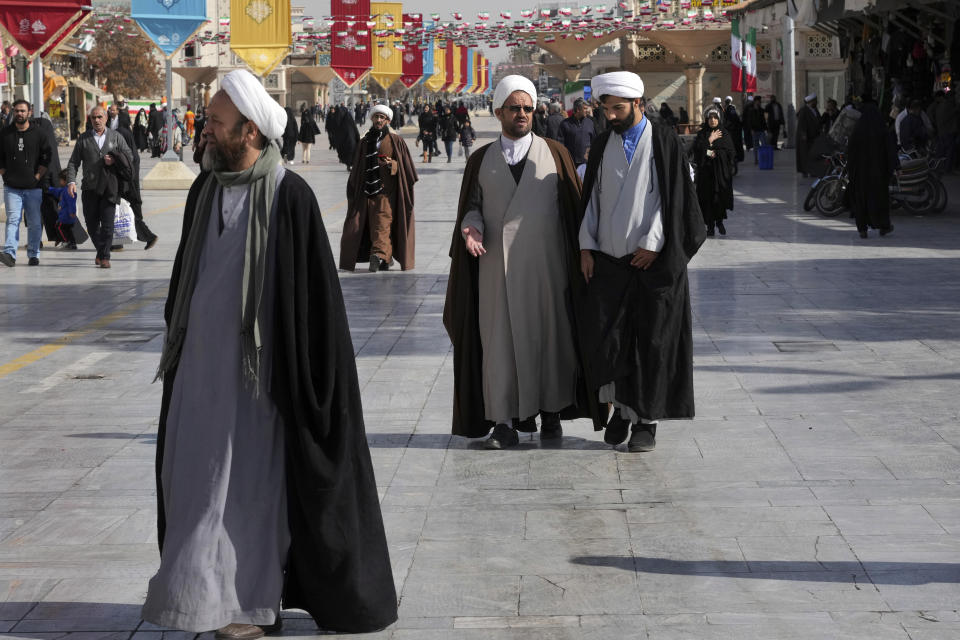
x,y
223,474
529,361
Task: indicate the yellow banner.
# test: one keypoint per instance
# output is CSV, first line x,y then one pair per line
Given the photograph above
x,y
260,32
387,61
439,77
458,78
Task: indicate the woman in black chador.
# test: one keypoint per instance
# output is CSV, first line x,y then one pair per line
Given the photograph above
x,y
871,158
715,159
308,133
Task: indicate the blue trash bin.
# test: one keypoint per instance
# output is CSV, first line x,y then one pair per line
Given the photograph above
x,y
766,157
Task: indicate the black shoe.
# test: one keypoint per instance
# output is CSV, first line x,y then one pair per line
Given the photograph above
x,y
642,438
34,262
7,259
722,229
617,429
550,427
72,246
152,241
375,263
710,233
503,436
863,234
527,426
886,230
116,247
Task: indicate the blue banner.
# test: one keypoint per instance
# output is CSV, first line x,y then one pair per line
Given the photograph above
x,y
169,23
427,53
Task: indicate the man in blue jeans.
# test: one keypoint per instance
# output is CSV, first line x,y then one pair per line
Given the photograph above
x,y
24,157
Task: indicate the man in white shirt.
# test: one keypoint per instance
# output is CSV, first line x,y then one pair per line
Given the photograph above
x,y
641,226
514,263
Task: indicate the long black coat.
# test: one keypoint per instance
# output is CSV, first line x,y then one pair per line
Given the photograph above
x,y
338,568
345,137
714,175
871,160
636,326
290,134
808,128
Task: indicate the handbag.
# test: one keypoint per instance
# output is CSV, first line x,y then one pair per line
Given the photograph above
x,y
123,229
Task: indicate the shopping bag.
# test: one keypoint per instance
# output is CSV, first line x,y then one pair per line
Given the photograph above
x,y
123,229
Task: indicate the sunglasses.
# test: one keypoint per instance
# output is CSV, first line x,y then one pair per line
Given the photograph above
x,y
516,108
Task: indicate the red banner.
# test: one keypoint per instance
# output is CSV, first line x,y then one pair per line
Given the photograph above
x,y
464,67
448,54
66,33
412,56
350,55
33,24
486,75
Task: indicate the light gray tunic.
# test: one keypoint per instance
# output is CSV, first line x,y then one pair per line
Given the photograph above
x,y
223,468
529,362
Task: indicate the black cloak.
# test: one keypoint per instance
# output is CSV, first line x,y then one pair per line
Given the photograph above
x,y
636,326
714,175
871,159
733,124
338,568
290,133
808,129
345,137
460,310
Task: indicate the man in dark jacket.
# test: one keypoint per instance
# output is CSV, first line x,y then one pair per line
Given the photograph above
x,y
774,121
553,121
96,151
577,132
24,159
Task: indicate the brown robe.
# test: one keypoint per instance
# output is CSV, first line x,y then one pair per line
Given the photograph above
x,y
461,314
355,241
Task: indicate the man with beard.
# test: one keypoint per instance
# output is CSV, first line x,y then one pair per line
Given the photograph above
x,y
514,263
25,153
379,222
265,490
641,226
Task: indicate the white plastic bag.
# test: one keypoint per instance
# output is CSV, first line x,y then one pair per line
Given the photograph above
x,y
123,229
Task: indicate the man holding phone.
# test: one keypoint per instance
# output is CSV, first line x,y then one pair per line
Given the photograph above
x,y
379,222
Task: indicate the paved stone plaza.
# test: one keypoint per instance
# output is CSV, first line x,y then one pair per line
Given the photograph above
x,y
816,494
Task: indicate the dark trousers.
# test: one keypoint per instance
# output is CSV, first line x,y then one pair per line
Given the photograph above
x,y
143,231
99,213
774,136
65,233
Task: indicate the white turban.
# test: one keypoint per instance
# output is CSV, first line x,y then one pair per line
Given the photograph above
x,y
717,100
253,101
384,109
621,84
728,99
510,84
810,98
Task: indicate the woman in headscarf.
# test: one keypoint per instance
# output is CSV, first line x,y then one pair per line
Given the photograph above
x,y
140,130
714,156
330,125
871,158
290,134
346,137
308,133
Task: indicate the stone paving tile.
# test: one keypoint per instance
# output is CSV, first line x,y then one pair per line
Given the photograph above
x,y
816,494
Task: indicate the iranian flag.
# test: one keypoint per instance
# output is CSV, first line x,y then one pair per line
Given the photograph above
x,y
736,57
750,62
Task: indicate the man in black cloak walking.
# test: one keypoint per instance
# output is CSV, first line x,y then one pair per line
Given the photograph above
x,y
265,489
641,225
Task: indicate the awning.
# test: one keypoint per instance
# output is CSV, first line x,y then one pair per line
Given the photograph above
x,y
316,75
89,88
197,75
690,45
52,82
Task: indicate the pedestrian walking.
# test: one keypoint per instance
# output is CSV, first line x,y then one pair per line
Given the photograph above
x,y
140,129
265,489
66,212
775,122
641,226
308,134
25,154
102,153
467,137
155,123
734,125
189,120
577,132
755,119
346,137
379,223
808,130
449,131
715,161
290,135
509,321
554,120
428,124
131,192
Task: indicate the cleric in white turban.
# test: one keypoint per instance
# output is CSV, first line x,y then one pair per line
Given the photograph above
x,y
513,342
638,233
261,404
379,223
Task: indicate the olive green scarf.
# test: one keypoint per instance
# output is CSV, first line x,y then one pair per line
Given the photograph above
x,y
262,178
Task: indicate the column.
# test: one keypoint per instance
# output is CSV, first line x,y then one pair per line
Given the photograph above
x,y
694,73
